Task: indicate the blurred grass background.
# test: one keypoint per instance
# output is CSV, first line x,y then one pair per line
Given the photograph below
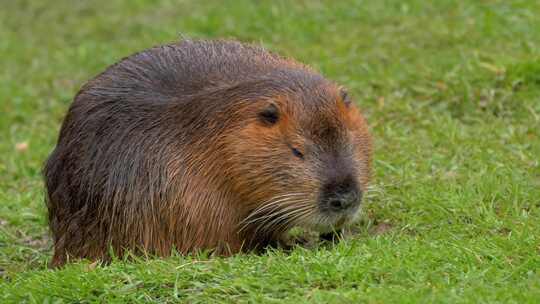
x,y
452,93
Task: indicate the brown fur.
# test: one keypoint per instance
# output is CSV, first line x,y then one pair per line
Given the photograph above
x,y
167,150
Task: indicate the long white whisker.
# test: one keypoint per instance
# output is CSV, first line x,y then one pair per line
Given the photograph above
x,y
291,204
272,207
285,214
272,204
293,218
277,197
275,217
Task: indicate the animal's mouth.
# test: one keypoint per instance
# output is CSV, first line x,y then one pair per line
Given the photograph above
x,y
284,213
341,222
325,222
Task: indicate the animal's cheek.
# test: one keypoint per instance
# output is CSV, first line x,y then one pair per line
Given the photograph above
x,y
305,179
362,161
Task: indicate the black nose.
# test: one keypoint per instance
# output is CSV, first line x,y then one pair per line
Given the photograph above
x,y
340,195
342,203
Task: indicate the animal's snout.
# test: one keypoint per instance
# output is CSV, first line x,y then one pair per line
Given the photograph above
x,y
340,195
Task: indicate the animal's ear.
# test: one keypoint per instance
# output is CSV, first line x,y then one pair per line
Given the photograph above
x,y
269,115
344,94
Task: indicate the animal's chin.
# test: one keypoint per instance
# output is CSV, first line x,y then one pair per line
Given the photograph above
x,y
325,223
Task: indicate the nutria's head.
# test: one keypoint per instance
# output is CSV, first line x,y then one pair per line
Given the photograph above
x,y
301,158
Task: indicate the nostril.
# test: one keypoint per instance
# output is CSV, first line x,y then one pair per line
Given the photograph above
x,y
336,204
344,202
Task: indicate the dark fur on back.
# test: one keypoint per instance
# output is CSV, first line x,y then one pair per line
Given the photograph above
x,y
143,162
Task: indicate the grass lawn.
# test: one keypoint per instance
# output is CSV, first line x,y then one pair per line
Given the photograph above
x,y
452,93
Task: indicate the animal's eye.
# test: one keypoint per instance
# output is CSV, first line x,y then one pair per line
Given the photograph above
x,y
345,97
270,115
297,153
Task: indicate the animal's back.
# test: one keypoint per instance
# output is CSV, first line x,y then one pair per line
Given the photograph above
x,y
186,68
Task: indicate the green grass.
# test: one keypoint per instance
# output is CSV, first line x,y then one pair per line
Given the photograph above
x,y
451,90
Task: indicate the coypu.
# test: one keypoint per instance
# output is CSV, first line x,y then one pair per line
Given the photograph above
x,y
203,144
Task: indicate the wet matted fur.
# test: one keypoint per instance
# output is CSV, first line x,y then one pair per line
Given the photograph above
x,y
201,144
